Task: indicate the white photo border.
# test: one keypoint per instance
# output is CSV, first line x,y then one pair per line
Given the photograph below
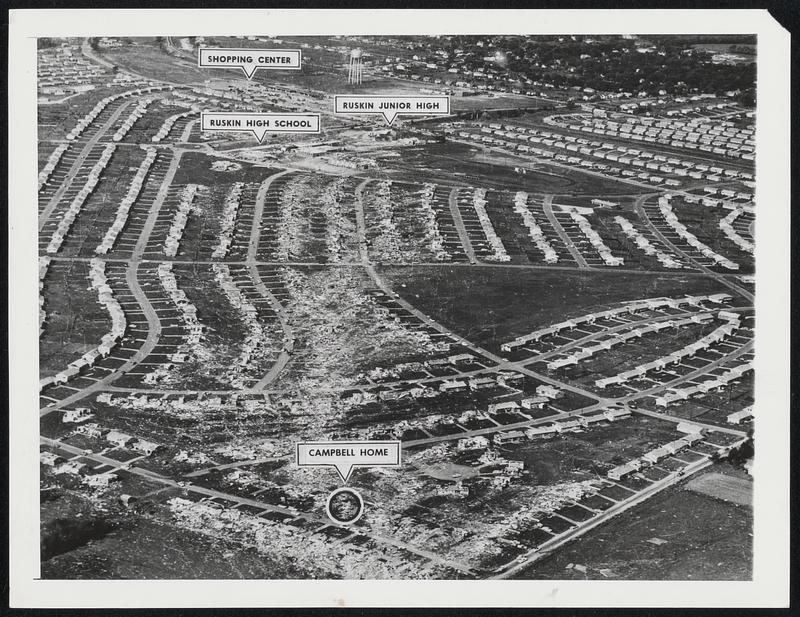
x,y
770,584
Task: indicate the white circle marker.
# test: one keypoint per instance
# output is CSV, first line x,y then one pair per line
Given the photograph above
x,y
344,506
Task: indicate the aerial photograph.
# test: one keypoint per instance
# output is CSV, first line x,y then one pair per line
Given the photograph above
x,y
501,287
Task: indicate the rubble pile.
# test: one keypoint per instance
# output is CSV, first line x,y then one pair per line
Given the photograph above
x,y
185,207
433,236
229,211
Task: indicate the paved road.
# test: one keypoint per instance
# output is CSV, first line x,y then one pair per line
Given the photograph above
x,y
462,231
639,207
78,164
414,264
604,403
548,547
155,208
150,475
361,226
153,334
131,278
275,305
547,205
612,330
235,465
92,55
502,363
288,336
255,230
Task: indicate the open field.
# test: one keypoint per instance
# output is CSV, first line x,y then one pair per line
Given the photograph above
x,y
456,162
514,301
726,487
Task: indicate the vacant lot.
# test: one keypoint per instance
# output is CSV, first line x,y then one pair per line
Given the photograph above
x,y
456,162
725,487
491,305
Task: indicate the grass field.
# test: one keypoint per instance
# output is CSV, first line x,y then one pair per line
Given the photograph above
x,y
144,547
76,321
725,487
491,305
456,162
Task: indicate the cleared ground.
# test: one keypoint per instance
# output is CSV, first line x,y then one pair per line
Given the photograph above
x,y
727,488
491,305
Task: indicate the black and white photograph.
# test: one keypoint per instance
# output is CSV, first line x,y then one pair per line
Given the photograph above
x,y
469,307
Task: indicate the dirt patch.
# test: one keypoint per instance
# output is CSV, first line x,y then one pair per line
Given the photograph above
x,y
727,488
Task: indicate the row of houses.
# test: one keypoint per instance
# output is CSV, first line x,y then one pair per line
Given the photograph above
x,y
534,231
560,426
728,198
731,324
61,70
524,136
643,244
185,207
192,343
165,128
127,124
578,161
50,165
681,229
75,467
629,308
256,340
433,235
726,225
90,117
544,394
44,264
508,379
738,200
124,207
109,340
715,383
622,337
68,218
657,110
479,203
199,402
702,135
594,239
118,439
654,456
228,222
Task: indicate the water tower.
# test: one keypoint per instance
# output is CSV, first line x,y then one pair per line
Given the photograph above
x,y
355,71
